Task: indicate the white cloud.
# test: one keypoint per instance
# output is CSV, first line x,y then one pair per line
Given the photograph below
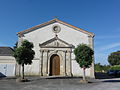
x,y
101,58
108,37
107,47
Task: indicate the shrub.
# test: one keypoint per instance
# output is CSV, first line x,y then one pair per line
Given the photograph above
x,y
115,67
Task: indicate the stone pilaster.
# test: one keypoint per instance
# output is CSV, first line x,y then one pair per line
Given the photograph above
x,y
47,69
91,44
17,66
17,69
41,63
68,63
90,40
45,63
20,40
63,69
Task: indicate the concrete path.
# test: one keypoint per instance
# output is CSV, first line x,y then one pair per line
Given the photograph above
x,y
37,83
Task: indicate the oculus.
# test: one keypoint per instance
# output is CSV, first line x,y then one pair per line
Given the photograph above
x,y
56,29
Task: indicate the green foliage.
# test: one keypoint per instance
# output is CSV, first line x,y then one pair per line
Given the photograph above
x,y
106,67
98,67
114,58
101,68
27,44
24,54
116,67
84,55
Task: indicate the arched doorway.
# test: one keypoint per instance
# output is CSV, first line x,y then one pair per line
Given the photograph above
x,y
54,65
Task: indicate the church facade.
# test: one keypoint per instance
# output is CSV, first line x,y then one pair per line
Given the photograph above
x,y
54,42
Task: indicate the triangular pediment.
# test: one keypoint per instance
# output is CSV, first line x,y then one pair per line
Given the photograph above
x,y
56,43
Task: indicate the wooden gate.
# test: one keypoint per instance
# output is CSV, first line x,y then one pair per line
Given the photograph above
x,y
54,65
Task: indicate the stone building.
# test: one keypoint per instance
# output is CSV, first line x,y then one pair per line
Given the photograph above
x,y
54,42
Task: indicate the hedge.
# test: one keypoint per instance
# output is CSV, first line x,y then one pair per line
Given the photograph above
x,y
115,67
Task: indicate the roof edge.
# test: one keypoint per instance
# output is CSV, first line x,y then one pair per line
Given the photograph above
x,y
37,26
52,21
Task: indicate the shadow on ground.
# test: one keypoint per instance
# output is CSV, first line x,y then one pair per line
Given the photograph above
x,y
111,81
99,75
2,75
66,77
106,78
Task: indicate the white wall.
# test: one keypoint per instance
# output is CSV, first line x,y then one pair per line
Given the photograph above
x,y
7,65
77,71
32,69
67,34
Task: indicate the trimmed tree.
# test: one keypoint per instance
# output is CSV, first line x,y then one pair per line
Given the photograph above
x,y
24,54
114,58
84,57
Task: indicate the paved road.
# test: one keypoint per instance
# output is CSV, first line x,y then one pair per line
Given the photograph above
x,y
60,84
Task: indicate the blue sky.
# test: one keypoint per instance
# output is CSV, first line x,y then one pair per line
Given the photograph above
x,y
102,17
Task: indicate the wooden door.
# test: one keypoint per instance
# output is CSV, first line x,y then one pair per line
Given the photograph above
x,y
54,65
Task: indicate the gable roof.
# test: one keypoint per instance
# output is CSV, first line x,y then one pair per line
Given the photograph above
x,y
6,51
52,21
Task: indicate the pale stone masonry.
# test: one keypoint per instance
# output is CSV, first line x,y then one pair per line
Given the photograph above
x,y
54,43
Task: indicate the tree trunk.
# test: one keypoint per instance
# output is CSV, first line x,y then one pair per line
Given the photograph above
x,y
22,71
84,79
